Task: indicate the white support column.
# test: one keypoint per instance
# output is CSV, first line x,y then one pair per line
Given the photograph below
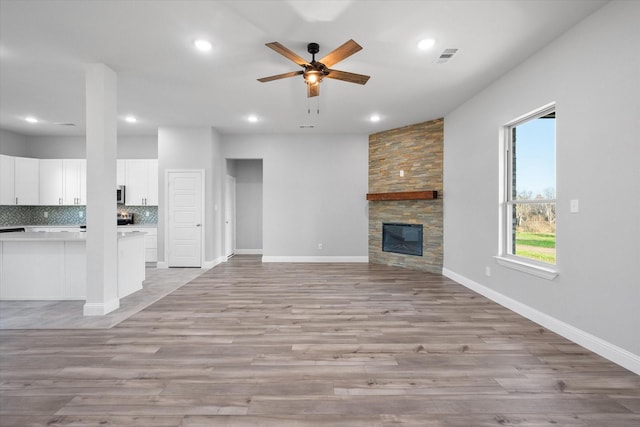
x,y
102,244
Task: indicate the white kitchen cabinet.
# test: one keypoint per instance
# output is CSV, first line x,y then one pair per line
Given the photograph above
x,y
141,177
52,266
51,182
7,194
26,181
150,240
63,182
152,182
75,181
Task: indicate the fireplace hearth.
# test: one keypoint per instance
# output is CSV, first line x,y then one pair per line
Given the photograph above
x,y
402,238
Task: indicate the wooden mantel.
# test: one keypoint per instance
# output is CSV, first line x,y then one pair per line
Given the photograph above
x,y
403,195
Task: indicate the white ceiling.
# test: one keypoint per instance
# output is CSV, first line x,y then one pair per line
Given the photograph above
x,y
162,80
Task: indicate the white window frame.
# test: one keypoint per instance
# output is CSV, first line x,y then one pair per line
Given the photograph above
x,y
505,257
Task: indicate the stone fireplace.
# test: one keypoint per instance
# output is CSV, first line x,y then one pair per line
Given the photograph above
x,y
406,161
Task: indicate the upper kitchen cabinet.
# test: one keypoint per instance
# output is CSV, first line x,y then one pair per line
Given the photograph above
x,y
51,182
7,195
63,182
74,174
141,177
26,181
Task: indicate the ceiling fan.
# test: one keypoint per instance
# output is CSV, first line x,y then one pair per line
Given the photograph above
x,y
313,72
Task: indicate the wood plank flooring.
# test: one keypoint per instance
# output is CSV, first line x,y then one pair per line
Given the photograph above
x,y
309,345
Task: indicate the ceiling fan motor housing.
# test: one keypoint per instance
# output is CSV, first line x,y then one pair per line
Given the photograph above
x,y
313,48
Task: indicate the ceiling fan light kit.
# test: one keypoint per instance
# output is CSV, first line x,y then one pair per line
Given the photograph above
x,y
315,71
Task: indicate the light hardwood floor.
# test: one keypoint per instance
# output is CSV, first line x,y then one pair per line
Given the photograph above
x,y
251,344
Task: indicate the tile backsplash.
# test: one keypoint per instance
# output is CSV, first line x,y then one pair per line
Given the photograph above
x,y
67,215
140,213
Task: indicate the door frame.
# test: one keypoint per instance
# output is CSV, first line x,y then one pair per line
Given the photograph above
x,y
167,172
230,239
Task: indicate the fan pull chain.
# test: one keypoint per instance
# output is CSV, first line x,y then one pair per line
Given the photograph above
x,y
317,105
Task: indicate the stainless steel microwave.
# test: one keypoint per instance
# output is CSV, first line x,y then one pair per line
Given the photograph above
x,y
120,194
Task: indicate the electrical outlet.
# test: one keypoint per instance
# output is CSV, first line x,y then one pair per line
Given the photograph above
x,y
487,271
320,246
81,213
46,214
146,213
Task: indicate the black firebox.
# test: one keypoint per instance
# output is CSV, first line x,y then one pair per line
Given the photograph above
x,y
402,238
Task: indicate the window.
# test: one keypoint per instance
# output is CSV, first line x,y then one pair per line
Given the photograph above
x,y
529,205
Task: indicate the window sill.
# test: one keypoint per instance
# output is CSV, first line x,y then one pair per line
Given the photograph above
x,y
529,268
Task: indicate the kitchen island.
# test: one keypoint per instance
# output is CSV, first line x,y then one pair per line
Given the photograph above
x,y
53,265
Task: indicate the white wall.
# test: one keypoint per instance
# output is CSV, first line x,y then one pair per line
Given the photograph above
x,y
314,190
138,147
193,148
57,147
248,174
13,144
593,74
73,147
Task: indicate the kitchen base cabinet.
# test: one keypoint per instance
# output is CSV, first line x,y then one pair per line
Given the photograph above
x,y
52,266
150,240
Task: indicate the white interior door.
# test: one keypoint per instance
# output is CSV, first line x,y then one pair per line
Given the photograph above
x,y
185,226
230,216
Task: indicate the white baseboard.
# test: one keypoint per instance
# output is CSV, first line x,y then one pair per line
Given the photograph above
x,y
609,351
100,309
205,264
248,251
315,259
213,263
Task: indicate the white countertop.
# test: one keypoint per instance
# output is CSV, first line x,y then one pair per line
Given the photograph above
x,y
120,227
62,236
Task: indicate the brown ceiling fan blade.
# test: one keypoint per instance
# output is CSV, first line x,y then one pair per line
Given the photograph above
x,y
280,76
313,90
340,53
287,53
347,77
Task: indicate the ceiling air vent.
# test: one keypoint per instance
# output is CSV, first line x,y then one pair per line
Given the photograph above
x,y
65,124
446,55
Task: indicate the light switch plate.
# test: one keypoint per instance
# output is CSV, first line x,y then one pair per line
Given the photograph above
x,y
574,206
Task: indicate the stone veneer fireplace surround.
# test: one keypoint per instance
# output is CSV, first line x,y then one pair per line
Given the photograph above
x,y
417,151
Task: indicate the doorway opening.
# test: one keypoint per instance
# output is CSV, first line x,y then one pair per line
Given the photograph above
x,y
243,207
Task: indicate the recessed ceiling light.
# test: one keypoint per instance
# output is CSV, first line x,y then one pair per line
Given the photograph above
x,y
202,45
130,119
374,118
426,44
31,119
252,118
